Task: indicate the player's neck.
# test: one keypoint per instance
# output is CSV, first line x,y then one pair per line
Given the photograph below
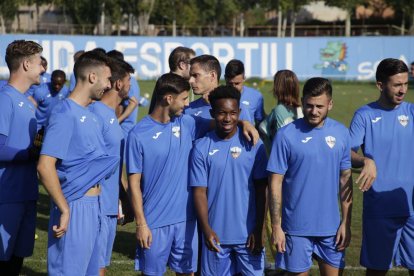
x,y
161,114
384,103
19,82
80,96
111,99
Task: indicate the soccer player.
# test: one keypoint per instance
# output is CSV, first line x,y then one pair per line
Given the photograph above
x,y
114,143
158,150
179,61
129,107
205,72
45,77
251,99
18,179
229,181
310,164
384,130
47,95
72,166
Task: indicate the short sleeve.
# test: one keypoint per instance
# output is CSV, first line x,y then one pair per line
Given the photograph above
x,y
357,131
260,162
198,169
134,154
279,156
58,135
346,157
6,107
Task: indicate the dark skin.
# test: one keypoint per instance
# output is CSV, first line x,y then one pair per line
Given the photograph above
x,y
226,114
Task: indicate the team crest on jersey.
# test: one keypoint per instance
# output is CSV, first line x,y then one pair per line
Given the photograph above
x,y
176,131
235,152
403,119
330,140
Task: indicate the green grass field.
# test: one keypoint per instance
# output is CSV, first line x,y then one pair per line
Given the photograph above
x,y
347,98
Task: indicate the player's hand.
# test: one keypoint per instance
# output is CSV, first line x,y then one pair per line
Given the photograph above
x,y
144,237
250,132
367,175
255,243
212,241
343,236
278,239
60,230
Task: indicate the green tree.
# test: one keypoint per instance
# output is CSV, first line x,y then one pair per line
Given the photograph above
x,y
8,11
406,8
85,13
349,6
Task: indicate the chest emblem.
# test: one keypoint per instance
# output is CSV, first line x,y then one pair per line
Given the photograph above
x,y
330,140
235,152
176,131
198,113
112,121
213,152
21,104
306,139
156,135
82,119
403,119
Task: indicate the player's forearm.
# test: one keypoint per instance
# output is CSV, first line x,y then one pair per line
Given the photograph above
x,y
358,160
260,194
48,176
133,103
201,206
134,188
275,199
346,196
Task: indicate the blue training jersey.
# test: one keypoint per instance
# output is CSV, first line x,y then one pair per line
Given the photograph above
x,y
18,180
131,120
201,108
74,137
227,168
46,99
252,100
387,136
114,143
160,153
311,160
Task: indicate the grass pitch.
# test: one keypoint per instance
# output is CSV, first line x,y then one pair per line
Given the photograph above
x,y
348,96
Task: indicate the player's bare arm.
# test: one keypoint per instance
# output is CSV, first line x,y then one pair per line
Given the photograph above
x,y
133,103
343,236
200,202
143,233
369,171
275,208
48,176
255,242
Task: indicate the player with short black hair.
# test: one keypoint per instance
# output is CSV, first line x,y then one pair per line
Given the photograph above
x,y
73,165
229,179
251,99
310,167
384,130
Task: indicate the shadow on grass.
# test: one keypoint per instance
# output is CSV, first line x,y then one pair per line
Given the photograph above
x,y
125,243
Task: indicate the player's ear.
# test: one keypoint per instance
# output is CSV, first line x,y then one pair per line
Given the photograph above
x,y
169,98
330,104
26,64
92,77
118,85
380,85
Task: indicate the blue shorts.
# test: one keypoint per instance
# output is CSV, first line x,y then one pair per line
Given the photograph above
x,y
174,245
232,259
299,251
385,240
106,240
17,229
77,252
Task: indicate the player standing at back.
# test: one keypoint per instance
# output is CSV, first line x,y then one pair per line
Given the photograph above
x,y
179,61
251,99
385,132
310,164
18,179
